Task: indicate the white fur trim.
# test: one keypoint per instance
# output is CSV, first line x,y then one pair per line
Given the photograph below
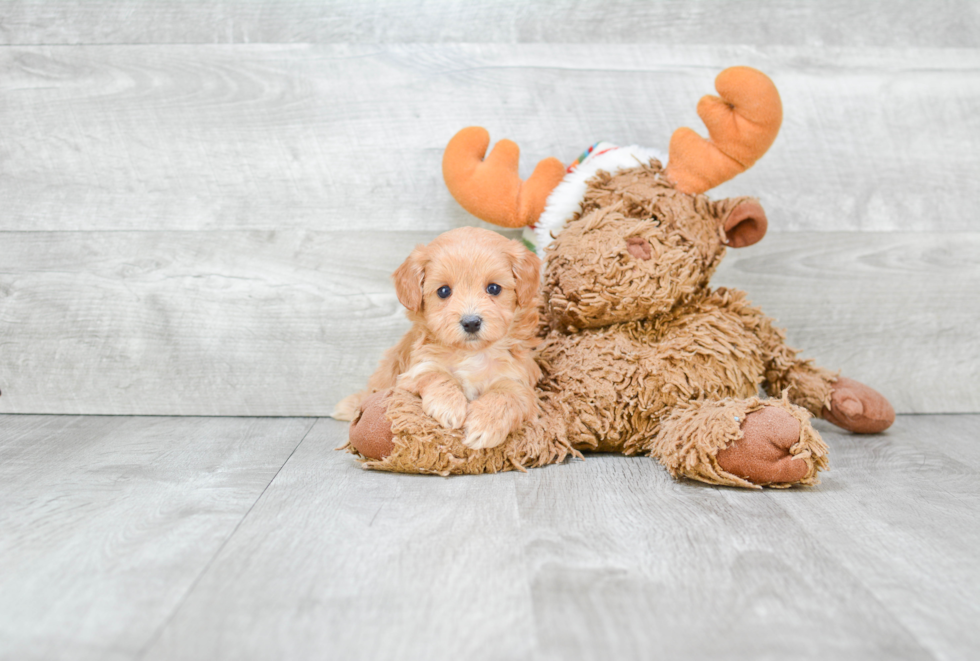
x,y
566,200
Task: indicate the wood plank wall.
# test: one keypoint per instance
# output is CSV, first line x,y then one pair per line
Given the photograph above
x,y
200,203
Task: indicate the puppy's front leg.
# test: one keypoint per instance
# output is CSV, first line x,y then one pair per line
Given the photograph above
x,y
502,409
442,398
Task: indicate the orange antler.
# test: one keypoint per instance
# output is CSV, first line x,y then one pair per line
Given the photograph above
x,y
490,188
742,125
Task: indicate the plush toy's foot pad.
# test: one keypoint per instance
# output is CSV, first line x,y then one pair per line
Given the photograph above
x,y
370,432
762,455
747,443
858,408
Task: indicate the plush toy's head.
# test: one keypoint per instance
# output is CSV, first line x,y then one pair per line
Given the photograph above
x,y
625,237
638,247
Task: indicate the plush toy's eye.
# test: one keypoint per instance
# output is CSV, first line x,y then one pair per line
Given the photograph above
x,y
493,289
444,291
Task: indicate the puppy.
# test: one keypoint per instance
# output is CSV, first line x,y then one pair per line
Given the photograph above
x,y
472,298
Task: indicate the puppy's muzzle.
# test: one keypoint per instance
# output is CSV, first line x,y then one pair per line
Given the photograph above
x,y
471,323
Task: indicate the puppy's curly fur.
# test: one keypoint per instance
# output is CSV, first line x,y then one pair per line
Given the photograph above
x,y
472,297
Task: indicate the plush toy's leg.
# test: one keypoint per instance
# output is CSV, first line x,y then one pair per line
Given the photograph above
x,y
858,408
845,402
805,384
842,401
741,442
393,433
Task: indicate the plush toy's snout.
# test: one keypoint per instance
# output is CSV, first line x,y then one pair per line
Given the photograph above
x,y
639,247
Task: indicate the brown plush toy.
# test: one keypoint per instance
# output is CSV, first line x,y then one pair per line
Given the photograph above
x,y
639,354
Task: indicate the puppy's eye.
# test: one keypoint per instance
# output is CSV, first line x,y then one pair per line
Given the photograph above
x,y
493,289
444,291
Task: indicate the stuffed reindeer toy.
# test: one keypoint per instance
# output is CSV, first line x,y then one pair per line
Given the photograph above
x,y
638,353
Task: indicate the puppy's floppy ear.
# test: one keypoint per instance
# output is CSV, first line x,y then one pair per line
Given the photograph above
x,y
408,280
527,272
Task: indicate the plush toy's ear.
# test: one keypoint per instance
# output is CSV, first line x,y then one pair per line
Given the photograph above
x,y
409,278
745,224
527,272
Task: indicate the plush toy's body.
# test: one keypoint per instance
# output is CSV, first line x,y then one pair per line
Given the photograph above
x,y
639,354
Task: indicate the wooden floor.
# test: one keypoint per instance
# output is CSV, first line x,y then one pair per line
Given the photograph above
x,y
251,538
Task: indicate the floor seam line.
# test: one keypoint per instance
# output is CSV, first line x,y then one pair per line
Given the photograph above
x,y
197,579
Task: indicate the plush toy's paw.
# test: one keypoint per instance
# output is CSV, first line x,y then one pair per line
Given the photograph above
x,y
447,406
347,408
484,429
762,455
370,432
858,408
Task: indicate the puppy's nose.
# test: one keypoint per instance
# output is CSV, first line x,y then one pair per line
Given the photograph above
x,y
471,323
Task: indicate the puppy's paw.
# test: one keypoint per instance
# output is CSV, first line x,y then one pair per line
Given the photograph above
x,y
484,430
448,407
348,407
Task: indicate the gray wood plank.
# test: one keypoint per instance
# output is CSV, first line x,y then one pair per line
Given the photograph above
x,y
880,558
955,436
337,563
900,513
106,523
123,538
194,323
625,563
607,558
351,136
825,23
287,323
875,306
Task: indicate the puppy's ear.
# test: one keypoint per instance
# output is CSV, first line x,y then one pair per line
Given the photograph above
x,y
408,280
527,272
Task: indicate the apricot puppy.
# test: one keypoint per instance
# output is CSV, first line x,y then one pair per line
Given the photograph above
x,y
472,298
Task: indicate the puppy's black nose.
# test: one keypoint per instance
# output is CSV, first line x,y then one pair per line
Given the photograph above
x,y
471,323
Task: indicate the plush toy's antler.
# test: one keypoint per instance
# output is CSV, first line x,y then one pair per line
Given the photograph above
x,y
491,189
742,125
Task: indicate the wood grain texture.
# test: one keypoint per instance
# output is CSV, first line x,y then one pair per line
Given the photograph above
x,y
106,523
827,23
194,323
163,538
623,558
338,563
876,307
208,229
287,323
901,511
874,563
957,439
607,558
331,137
